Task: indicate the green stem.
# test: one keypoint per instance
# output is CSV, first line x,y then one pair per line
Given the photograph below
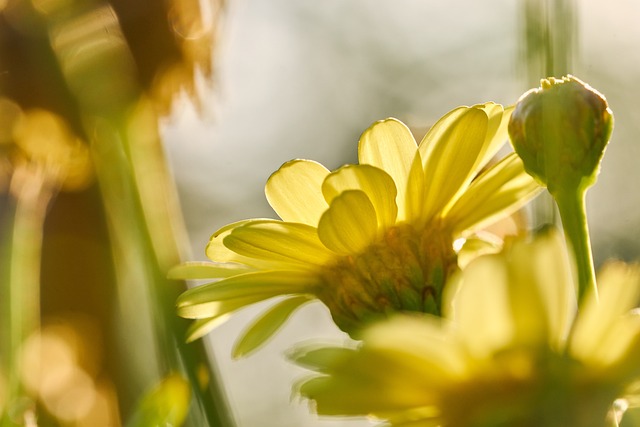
x,y
571,205
21,287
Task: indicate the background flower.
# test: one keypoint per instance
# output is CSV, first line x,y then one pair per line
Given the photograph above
x,y
512,350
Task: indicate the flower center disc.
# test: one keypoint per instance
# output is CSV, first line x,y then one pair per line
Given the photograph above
x,y
405,270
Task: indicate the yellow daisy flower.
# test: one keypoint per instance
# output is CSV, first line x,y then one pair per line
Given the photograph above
x,y
366,239
512,350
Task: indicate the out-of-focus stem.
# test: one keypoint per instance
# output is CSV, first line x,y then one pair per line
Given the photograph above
x,y
146,228
21,288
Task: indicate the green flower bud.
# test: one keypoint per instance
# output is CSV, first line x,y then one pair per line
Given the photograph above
x,y
560,131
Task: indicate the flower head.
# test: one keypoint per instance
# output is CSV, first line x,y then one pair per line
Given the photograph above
x,y
512,350
560,131
367,239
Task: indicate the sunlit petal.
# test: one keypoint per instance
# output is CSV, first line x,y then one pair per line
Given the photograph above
x,y
284,243
375,183
449,152
267,325
294,191
542,292
206,270
389,145
596,336
349,224
481,310
202,301
202,327
497,134
500,191
218,252
414,210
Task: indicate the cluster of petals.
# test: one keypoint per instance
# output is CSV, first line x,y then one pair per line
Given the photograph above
x,y
326,215
512,350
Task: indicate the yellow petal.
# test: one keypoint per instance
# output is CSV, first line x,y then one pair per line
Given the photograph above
x,y
420,337
375,183
212,309
294,191
497,193
267,325
216,250
202,327
350,223
480,306
449,153
203,301
281,244
601,317
414,209
497,134
206,270
543,295
390,146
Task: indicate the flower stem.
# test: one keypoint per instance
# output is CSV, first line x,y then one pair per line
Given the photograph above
x,y
571,205
21,286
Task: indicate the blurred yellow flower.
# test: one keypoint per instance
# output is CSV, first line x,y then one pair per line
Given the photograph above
x,y
368,239
512,350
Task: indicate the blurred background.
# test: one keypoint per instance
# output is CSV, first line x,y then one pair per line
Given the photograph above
x,y
204,100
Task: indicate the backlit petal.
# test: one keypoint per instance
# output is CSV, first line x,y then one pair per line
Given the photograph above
x,y
414,209
375,183
349,224
206,270
389,145
202,327
599,334
497,134
294,191
267,325
498,192
543,296
216,250
480,306
450,152
284,244
202,301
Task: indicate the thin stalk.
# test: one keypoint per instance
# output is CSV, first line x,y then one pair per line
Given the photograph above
x,y
21,289
139,200
572,208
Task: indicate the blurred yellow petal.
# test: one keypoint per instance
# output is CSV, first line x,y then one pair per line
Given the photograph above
x,y
167,404
294,191
375,183
350,223
543,294
595,337
481,310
